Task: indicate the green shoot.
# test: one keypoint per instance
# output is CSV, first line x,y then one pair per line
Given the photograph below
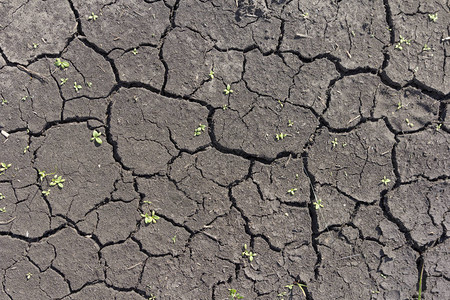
x,y
92,17
61,64
318,204
57,180
248,254
148,219
199,129
385,180
292,191
96,137
228,90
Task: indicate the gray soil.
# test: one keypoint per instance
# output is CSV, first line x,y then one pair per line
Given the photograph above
x,y
321,172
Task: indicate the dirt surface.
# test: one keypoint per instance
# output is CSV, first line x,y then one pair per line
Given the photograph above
x,y
187,149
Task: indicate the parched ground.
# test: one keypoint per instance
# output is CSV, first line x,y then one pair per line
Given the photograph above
x,y
277,149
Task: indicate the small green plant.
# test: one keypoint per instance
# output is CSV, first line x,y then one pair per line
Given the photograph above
x,y
433,17
385,180
152,218
281,103
25,150
96,137
174,239
409,123
77,87
57,180
92,17
35,45
438,127
28,275
225,107
426,48
419,292
4,101
24,98
2,196
4,167
63,81
399,105
334,143
134,51
402,41
211,74
61,64
199,129
46,193
280,136
305,15
234,294
318,204
88,84
301,286
42,174
3,210
248,254
292,191
290,123
228,90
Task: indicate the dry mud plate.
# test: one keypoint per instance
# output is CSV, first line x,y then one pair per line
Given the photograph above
x,y
224,149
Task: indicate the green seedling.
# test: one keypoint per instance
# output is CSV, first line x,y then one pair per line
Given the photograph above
x,y
57,180
174,239
234,294
4,167
248,254
134,51
334,142
403,40
225,107
2,196
409,123
290,123
148,219
3,210
318,204
42,174
228,90
385,180
96,137
199,129
419,292
292,191
281,103
438,127
301,286
77,87
35,45
426,48
4,101
88,84
305,15
211,74
280,136
25,150
433,17
28,275
63,81
46,193
399,105
24,98
61,64
92,17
